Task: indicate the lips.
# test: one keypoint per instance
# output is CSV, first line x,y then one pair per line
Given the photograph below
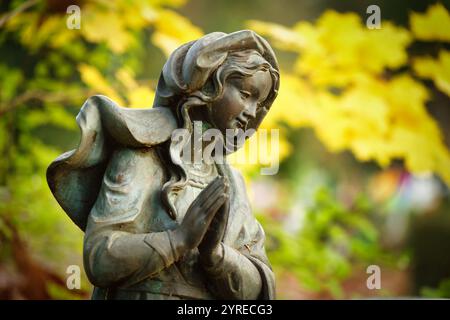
x,y
241,122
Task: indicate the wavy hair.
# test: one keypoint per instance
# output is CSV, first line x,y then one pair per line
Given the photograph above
x,y
242,63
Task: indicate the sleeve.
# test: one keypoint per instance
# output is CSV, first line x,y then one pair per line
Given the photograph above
x,y
245,273
242,270
116,252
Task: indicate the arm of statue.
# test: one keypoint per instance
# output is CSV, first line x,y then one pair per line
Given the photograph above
x,y
115,253
242,273
233,275
236,274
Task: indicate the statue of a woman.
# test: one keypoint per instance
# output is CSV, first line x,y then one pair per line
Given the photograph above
x,y
158,227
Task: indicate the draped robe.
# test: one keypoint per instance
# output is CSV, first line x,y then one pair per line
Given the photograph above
x,y
110,186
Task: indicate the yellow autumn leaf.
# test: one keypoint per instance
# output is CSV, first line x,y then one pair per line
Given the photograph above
x,y
375,118
140,97
126,78
283,38
392,54
432,25
165,42
134,13
436,70
292,104
258,152
173,30
105,26
47,29
95,80
339,49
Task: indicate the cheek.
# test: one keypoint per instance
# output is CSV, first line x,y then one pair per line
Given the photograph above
x,y
234,106
227,109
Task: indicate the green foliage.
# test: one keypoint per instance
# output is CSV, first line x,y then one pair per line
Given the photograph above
x,y
332,240
442,291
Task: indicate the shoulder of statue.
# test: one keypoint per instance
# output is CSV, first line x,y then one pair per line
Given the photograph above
x,y
131,127
131,177
142,161
107,131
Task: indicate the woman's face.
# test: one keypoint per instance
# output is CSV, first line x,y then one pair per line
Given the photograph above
x,y
240,100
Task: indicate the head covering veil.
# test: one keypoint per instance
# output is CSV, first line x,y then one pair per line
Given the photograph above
x,y
191,65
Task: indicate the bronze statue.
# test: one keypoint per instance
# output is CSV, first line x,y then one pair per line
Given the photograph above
x,y
157,226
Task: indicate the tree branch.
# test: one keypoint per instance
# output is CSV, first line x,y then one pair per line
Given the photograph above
x,y
24,6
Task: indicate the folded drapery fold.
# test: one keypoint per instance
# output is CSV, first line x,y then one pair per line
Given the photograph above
x,y
75,177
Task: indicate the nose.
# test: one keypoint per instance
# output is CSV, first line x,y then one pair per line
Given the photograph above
x,y
250,111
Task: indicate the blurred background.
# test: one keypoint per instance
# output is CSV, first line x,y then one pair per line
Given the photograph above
x,y
363,113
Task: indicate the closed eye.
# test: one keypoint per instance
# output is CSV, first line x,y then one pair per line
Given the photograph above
x,y
245,94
